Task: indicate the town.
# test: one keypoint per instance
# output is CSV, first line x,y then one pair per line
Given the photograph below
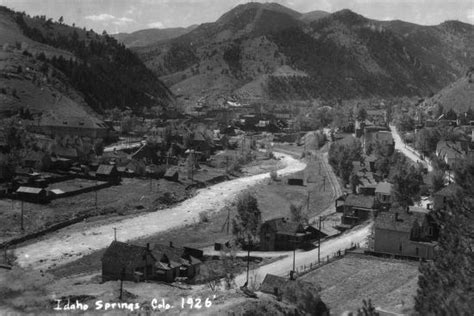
x,y
223,203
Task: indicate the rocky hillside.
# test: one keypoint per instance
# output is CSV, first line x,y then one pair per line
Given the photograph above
x,y
48,66
151,36
267,51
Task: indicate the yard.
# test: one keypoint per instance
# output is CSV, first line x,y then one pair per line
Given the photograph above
x,y
390,284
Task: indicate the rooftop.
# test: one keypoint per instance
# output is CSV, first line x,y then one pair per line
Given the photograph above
x,y
360,201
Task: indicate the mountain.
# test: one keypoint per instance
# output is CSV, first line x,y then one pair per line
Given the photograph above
x,y
52,67
458,96
313,16
151,36
266,51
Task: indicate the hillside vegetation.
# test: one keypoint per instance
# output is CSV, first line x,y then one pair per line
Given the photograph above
x,y
341,55
94,71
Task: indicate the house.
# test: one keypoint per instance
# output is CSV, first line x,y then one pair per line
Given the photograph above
x,y
146,154
73,126
183,262
128,262
31,194
383,193
444,197
410,233
377,117
108,173
357,209
37,160
377,135
450,152
283,234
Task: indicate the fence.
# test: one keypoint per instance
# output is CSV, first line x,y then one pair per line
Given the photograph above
x,y
304,269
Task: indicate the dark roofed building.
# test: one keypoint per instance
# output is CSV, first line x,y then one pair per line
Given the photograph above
x,y
383,193
405,233
283,234
108,173
172,174
357,209
445,196
130,262
176,262
32,194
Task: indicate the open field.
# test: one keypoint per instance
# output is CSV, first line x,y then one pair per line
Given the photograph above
x,y
129,198
390,284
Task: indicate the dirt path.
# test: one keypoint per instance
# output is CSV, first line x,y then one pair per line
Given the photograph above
x,y
71,243
328,248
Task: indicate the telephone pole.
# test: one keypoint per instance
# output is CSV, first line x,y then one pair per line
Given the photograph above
x,y
21,217
319,241
115,234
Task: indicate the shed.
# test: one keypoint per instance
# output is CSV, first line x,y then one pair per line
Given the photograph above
x,y
108,173
172,174
31,194
295,181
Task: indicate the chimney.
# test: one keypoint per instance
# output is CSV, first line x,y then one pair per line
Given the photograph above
x,y
171,244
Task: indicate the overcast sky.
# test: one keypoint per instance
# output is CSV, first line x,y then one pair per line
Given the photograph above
x,y
131,15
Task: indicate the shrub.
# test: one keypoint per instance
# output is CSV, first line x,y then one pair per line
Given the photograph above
x,y
203,217
274,175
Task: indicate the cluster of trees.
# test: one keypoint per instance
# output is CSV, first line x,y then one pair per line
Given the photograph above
x,y
446,283
341,157
407,182
105,71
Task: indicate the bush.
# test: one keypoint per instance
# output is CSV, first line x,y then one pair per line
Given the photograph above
x,y
203,217
274,175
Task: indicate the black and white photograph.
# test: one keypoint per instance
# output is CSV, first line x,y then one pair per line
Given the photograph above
x,y
237,158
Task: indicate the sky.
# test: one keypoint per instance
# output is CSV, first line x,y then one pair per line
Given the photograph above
x,y
131,15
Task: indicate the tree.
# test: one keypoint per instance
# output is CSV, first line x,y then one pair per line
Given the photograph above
x,y
437,180
246,223
297,213
406,184
367,309
361,114
445,284
61,20
451,115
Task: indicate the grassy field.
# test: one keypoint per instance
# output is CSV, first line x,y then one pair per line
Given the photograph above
x,y
390,284
129,198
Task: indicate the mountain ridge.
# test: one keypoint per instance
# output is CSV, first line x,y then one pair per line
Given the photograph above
x,y
343,54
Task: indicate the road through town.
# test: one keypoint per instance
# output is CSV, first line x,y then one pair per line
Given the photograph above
x,y
71,243
407,150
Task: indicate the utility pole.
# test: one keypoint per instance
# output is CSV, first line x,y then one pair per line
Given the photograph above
x,y
292,274
248,260
307,202
21,217
319,241
121,283
115,234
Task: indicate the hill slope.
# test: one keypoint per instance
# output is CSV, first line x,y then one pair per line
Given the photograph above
x,y
458,96
340,55
51,67
151,36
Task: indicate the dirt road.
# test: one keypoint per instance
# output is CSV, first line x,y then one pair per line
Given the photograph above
x,y
328,248
407,150
71,243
